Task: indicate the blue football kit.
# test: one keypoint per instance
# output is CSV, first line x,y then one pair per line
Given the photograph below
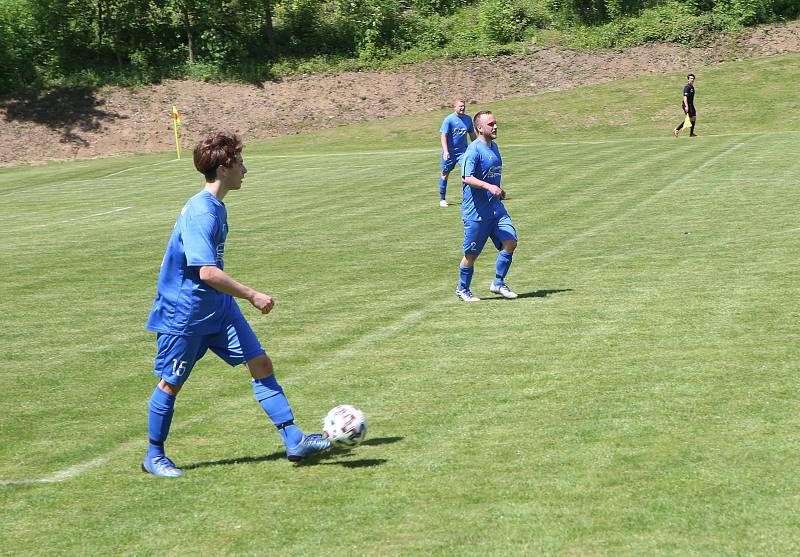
x,y
190,316
456,129
484,215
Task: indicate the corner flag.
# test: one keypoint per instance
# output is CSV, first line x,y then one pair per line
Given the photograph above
x,y
176,121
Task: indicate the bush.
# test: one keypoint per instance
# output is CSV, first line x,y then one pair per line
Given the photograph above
x,y
427,34
18,47
743,12
501,21
441,7
372,24
670,22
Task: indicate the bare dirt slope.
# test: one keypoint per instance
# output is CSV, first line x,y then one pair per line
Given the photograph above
x,y
87,122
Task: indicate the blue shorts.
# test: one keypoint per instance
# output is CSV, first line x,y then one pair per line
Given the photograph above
x,y
236,344
476,232
449,164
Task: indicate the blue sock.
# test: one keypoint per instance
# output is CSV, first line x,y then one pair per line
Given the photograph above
x,y
270,395
465,277
162,406
502,266
442,188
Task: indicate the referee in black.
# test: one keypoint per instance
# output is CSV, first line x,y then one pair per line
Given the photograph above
x,y
688,106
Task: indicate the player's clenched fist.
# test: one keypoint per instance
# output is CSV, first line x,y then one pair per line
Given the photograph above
x,y
262,302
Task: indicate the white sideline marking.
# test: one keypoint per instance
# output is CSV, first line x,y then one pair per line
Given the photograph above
x,y
136,168
61,475
644,203
45,225
71,182
668,138
381,333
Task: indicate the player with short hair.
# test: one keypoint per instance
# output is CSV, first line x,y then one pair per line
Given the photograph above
x,y
483,212
688,106
453,135
194,310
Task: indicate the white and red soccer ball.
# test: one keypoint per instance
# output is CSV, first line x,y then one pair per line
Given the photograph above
x,y
345,426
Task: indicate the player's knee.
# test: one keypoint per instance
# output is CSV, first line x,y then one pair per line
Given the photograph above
x,y
172,389
468,260
260,367
509,246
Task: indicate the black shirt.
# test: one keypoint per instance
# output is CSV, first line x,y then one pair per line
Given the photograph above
x,y
688,92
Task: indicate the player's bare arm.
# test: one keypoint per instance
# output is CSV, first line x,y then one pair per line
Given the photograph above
x,y
222,281
478,183
445,152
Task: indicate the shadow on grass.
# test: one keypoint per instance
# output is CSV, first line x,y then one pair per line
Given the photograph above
x,y
238,460
67,110
328,457
534,294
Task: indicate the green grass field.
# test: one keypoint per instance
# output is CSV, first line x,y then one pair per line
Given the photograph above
x,y
639,398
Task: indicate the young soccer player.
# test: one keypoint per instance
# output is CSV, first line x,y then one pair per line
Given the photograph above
x,y
453,136
483,212
194,310
688,106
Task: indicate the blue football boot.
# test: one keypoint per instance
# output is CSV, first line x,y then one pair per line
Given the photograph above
x,y
309,445
161,467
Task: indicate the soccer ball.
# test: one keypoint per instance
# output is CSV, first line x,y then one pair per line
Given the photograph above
x,y
345,426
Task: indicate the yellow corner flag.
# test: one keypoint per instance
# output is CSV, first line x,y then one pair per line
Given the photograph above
x,y
686,124
176,121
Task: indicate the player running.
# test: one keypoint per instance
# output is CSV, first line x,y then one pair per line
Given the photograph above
x,y
688,106
483,212
195,311
453,136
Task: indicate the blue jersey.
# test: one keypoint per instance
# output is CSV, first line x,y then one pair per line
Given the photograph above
x,y
185,305
482,162
456,128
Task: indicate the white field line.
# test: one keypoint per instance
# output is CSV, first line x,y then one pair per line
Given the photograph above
x,y
48,224
637,140
364,341
83,181
61,475
644,203
396,153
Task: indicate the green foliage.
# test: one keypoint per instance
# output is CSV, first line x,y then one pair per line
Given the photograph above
x,y
672,22
743,12
371,23
53,42
786,9
505,21
501,21
427,34
20,45
442,7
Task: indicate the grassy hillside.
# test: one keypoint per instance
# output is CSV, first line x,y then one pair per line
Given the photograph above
x,y
750,95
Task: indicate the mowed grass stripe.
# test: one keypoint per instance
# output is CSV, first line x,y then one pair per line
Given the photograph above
x,y
602,170
639,399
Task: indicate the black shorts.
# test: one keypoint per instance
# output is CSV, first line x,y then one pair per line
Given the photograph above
x,y
691,112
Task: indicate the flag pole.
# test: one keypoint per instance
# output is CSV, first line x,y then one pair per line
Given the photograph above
x,y
176,121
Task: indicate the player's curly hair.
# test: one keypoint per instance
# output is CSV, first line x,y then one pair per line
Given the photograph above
x,y
219,149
